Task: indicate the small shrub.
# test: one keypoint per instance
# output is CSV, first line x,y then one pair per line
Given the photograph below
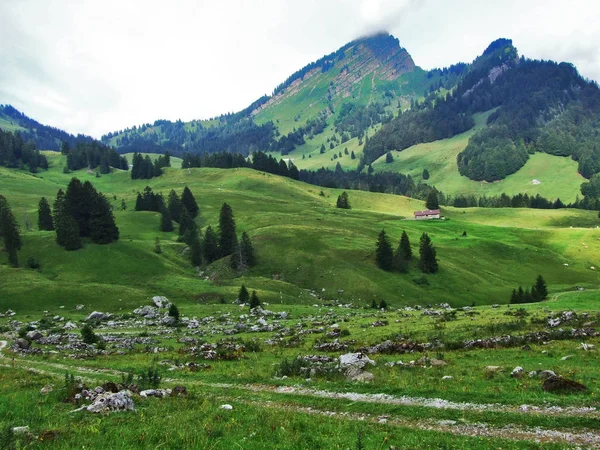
x,y
421,281
149,379
87,334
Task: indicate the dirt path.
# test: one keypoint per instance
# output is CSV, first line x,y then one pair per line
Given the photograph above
x,y
512,431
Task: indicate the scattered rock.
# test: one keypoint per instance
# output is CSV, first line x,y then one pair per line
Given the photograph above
x,y
517,372
545,374
161,393
69,326
147,312
34,335
565,358
494,369
20,430
560,385
447,377
97,315
359,375
227,407
179,390
46,389
22,343
355,360
587,347
437,362
79,307
161,302
109,402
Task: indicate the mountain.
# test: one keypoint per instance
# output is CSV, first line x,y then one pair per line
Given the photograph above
x,y
44,137
374,70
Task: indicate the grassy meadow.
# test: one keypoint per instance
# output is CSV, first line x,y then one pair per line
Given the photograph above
x,y
317,264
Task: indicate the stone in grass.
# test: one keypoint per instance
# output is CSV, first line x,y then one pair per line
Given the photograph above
x,y
161,302
97,315
227,407
46,389
359,375
20,430
34,335
160,393
517,372
22,343
109,402
560,385
356,360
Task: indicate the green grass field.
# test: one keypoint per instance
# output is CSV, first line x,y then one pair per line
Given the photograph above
x,y
558,176
317,263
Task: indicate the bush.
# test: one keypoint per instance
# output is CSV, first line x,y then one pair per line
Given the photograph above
x,y
87,335
32,263
149,379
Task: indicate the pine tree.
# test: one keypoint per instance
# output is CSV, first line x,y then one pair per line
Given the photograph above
x,y
185,221
247,251
384,253
67,231
236,257
352,155
45,222
425,174
428,261
139,203
166,224
102,226
189,202
342,201
513,297
541,289
254,300
174,205
389,158
227,236
405,247
373,304
9,231
210,247
243,295
78,201
432,200
400,261
196,250
383,304
157,248
123,205
520,295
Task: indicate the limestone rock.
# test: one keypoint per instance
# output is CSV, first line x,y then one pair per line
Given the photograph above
x,y
34,335
161,302
97,315
355,360
109,402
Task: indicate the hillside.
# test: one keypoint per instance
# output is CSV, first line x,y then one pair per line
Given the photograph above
x,y
45,137
304,244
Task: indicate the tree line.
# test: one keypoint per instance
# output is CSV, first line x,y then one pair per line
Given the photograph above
x,y
143,167
17,153
91,155
537,293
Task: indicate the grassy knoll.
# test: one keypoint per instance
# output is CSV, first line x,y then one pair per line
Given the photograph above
x,y
303,243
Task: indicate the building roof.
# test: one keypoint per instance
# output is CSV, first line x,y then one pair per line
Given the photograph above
x,y
427,212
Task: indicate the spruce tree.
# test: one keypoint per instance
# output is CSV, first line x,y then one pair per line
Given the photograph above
x,y
189,202
425,174
432,200
428,261
174,205
102,226
174,312
210,247
67,231
78,201
196,251
342,201
384,253
383,304
541,289
185,221
400,261
254,300
57,216
227,236
45,222
405,246
139,203
247,251
513,297
236,257
9,231
243,295
520,295
166,224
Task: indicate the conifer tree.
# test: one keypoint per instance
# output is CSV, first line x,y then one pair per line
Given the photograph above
x,y
513,297
541,289
254,300
185,221
139,203
384,253
166,224
243,295
428,261
67,231
425,174
342,201
45,222
236,257
432,200
102,226
520,295
400,261
9,231
189,202
196,250
405,246
174,205
174,312
247,251
383,304
227,235
210,248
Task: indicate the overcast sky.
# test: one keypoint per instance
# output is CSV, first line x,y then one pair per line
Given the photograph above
x,y
94,66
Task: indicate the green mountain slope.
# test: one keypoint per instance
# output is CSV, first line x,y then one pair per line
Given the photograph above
x,y
303,243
